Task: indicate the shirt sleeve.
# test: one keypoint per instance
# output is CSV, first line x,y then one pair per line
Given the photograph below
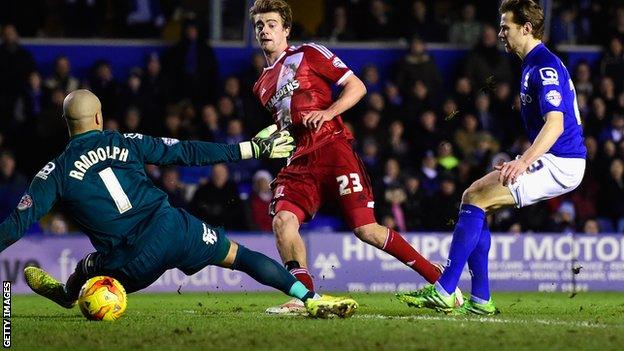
x,y
167,151
549,81
326,64
42,194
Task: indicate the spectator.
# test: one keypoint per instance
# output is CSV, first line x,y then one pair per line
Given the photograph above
x,y
444,205
132,94
50,130
62,78
396,144
241,171
446,157
16,63
393,206
337,27
28,108
371,158
144,19
427,136
132,121
486,64
192,67
487,120
209,126
467,29
564,220
417,64
370,78
429,173
612,195
612,61
57,225
583,80
218,201
156,88
615,132
463,95
415,204
378,23
597,120
12,184
170,183
591,227
260,200
422,23
565,28
103,85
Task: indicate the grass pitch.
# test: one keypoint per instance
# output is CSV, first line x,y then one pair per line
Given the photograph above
x,y
220,321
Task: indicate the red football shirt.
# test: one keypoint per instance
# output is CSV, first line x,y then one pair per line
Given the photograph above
x,y
297,83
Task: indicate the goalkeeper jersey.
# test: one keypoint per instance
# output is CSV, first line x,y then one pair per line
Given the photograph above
x,y
100,181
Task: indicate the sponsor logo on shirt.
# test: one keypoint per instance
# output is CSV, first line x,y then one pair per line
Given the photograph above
x,y
549,76
525,98
170,141
25,203
554,98
284,91
46,170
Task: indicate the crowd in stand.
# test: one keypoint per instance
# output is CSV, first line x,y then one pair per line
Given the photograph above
x,y
422,143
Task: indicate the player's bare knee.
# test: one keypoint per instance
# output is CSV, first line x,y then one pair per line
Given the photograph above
x,y
470,195
282,221
369,234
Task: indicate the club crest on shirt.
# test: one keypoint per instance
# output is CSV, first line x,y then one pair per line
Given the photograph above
x,y
25,203
338,63
554,98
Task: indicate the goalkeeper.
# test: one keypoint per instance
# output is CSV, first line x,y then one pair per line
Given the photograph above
x,y
101,181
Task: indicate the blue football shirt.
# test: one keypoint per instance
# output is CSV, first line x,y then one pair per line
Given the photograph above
x,y
546,86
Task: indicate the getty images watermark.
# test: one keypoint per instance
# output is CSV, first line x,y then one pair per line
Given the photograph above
x,y
6,314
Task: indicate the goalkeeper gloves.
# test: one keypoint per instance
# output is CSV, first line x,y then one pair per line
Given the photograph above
x,y
268,143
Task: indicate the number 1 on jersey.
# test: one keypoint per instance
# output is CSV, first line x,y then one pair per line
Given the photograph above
x,y
115,190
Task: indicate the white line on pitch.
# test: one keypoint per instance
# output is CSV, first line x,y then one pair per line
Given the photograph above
x,y
583,324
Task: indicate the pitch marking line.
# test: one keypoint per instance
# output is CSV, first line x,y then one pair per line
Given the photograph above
x,y
491,320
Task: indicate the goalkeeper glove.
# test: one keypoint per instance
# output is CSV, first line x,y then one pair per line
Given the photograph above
x,y
268,143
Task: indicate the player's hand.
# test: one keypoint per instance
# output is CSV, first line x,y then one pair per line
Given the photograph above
x,y
510,171
272,143
315,119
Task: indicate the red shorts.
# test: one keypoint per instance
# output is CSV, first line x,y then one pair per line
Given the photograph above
x,y
332,172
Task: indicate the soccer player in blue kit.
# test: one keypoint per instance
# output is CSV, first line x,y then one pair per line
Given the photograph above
x,y
553,165
101,181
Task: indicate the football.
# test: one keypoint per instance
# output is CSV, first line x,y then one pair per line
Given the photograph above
x,y
102,299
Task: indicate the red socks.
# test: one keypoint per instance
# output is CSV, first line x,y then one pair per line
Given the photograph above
x,y
302,274
396,246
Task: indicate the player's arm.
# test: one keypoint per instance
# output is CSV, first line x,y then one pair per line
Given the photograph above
x,y
268,143
546,138
547,82
329,67
353,90
41,195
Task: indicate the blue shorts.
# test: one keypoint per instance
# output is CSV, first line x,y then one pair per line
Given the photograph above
x,y
174,240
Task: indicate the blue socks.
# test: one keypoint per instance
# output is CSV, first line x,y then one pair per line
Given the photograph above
x,y
268,272
465,239
478,266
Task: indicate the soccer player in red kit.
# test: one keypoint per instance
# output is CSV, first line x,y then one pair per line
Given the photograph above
x,y
296,89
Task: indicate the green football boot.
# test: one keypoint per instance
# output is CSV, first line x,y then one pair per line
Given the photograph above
x,y
429,297
45,285
482,309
